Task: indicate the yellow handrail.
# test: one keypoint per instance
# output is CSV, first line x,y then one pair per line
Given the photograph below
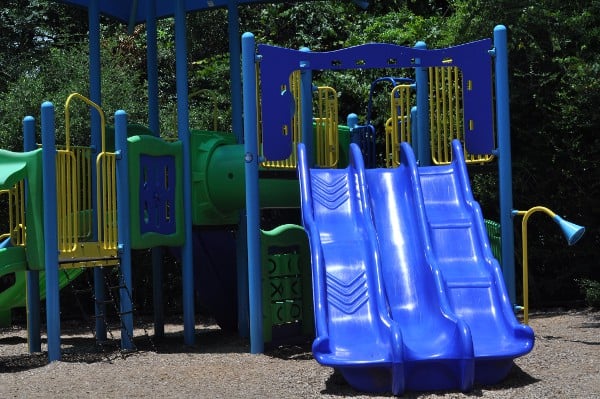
x,y
68,119
526,215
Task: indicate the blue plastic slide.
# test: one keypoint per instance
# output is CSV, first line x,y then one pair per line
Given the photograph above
x,y
386,316
474,283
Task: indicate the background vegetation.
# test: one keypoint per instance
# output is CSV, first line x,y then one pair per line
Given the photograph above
x,y
554,72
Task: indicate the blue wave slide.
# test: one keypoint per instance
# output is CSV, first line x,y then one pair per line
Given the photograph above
x,y
407,293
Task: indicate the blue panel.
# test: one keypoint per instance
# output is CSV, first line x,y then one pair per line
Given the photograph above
x,y
157,194
278,63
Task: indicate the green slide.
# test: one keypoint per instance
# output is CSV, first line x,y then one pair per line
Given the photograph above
x,y
14,261
13,281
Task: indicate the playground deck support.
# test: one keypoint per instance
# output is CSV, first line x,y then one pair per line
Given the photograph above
x,y
423,149
50,236
124,236
96,144
154,125
504,160
306,108
33,276
252,195
183,130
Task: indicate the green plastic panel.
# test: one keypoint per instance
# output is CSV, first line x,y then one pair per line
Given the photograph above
x,y
153,146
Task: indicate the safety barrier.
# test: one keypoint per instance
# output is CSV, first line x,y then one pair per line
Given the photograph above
x,y
75,205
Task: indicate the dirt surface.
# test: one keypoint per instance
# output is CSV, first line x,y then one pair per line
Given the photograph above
x,y
565,363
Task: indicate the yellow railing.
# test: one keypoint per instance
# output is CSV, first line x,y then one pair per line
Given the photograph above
x,y
446,115
16,214
326,122
398,126
74,189
67,189
106,186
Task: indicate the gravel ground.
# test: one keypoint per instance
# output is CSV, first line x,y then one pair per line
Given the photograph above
x,y
565,363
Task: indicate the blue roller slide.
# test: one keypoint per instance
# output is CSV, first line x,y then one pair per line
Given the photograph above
x,y
386,315
474,283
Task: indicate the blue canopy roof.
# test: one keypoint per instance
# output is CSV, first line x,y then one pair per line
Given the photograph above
x,y
135,11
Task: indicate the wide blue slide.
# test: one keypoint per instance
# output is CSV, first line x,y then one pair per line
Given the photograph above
x,y
387,317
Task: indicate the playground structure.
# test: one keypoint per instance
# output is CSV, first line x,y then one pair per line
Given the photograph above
x,y
160,190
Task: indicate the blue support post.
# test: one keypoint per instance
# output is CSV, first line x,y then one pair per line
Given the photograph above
x,y
252,197
183,130
124,234
50,232
154,125
423,151
235,67
306,109
96,144
507,234
33,276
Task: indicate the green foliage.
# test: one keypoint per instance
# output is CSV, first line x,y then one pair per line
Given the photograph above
x,y
61,73
591,291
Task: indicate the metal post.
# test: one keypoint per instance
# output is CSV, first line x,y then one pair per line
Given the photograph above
x,y
96,144
154,125
504,161
422,81
183,131
306,109
124,235
252,197
50,232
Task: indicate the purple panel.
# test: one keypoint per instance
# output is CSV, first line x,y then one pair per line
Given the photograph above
x,y
157,194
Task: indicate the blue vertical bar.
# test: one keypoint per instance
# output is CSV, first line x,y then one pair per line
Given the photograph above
x,y
252,198
507,234
306,109
154,125
235,70
183,130
50,232
124,235
423,151
33,276
96,143
235,73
